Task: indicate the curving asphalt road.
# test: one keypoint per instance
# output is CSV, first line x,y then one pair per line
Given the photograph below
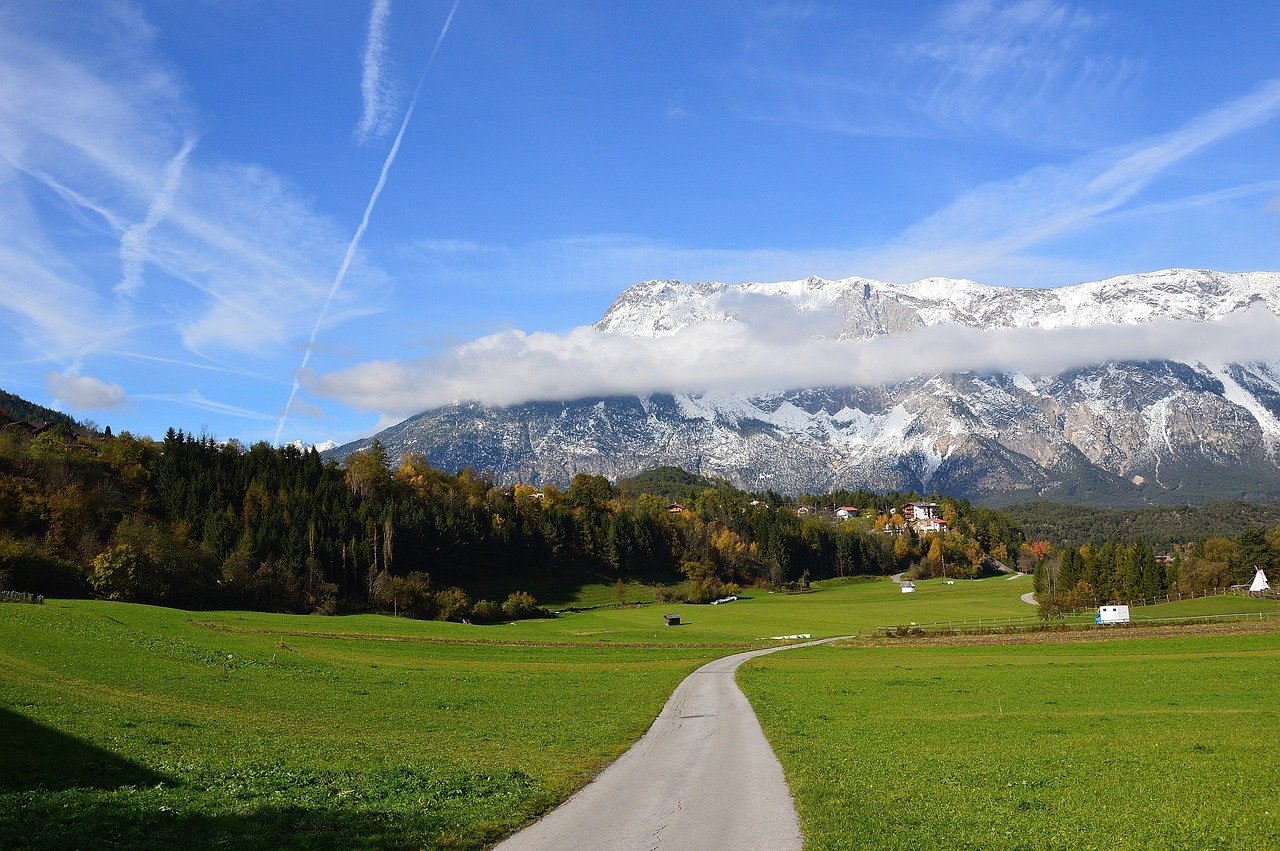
x,y
703,777
1030,597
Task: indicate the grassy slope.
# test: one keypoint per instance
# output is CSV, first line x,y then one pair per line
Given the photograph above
x,y
136,728
350,731
1144,743
835,608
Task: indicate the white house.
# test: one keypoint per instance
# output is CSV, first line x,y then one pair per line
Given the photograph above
x,y
844,512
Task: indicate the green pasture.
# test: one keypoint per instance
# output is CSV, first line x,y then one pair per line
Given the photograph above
x,y
126,725
836,607
1142,743
1208,607
130,725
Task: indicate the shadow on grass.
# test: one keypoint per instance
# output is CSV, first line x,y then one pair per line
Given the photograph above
x,y
57,791
37,757
106,822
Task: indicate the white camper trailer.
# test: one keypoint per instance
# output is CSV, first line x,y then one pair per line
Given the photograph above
x,y
1113,614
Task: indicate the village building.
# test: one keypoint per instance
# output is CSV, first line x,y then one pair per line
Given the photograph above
x,y
894,525
930,524
844,512
8,423
920,510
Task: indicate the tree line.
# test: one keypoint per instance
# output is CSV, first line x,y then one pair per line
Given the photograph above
x,y
194,522
1160,526
1070,577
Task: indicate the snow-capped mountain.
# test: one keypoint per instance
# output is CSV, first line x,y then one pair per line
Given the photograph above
x,y
1113,433
322,446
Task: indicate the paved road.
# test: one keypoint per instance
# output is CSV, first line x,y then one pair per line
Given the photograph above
x,y
1030,597
703,777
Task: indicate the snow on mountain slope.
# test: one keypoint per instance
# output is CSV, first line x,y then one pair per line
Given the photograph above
x,y
869,308
1114,433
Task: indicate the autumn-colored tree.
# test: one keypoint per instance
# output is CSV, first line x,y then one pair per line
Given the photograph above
x,y
369,473
453,604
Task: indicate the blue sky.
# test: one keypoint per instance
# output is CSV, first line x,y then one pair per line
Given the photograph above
x,y
180,182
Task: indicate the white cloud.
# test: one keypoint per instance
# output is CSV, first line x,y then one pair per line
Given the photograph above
x,y
89,126
735,357
376,101
196,399
1023,69
353,246
84,392
983,230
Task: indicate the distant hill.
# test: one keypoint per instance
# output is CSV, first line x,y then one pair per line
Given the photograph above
x,y
673,483
20,409
1162,527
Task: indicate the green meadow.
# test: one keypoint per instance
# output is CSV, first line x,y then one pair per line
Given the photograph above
x,y
1141,743
127,725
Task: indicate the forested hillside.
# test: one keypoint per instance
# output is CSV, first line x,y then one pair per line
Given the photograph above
x,y
18,408
193,522
1161,527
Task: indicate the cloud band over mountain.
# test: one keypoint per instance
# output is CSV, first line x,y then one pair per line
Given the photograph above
x,y
738,357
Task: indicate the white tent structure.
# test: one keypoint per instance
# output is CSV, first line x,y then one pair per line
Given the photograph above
x,y
1260,583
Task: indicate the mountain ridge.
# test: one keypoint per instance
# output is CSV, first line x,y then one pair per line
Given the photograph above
x,y
1115,433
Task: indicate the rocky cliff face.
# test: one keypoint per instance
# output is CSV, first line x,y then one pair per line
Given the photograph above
x,y
1115,433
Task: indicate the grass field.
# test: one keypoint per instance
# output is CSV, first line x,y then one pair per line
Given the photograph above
x,y
833,608
130,725
1141,743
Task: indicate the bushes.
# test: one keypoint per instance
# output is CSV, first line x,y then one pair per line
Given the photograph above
x,y
703,587
26,567
413,596
454,605
486,611
520,605
147,563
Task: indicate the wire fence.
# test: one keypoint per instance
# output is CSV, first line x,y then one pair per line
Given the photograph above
x,y
21,597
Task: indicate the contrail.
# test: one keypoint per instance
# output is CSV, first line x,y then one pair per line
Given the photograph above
x,y
133,242
374,118
364,223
